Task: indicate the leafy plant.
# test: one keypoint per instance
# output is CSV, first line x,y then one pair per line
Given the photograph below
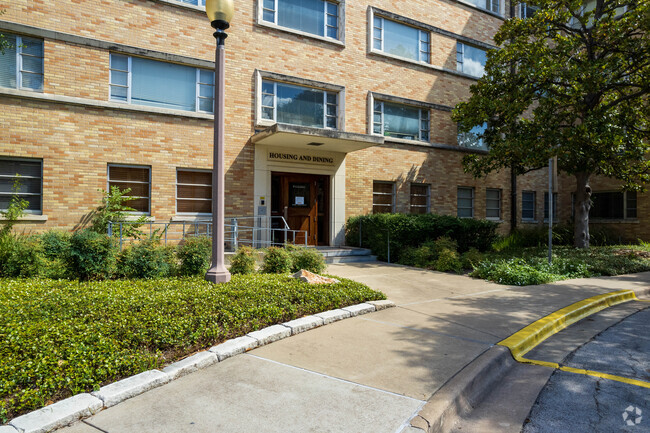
x,y
114,209
448,261
472,258
243,261
309,259
23,257
146,259
276,261
194,254
92,255
15,210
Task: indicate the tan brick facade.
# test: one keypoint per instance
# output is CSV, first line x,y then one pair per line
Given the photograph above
x,y
77,132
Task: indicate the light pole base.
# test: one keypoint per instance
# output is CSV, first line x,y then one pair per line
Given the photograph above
x,y
216,275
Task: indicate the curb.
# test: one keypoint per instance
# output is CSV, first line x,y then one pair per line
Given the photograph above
x,y
71,409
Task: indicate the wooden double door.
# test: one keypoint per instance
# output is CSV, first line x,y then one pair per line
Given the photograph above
x,y
303,201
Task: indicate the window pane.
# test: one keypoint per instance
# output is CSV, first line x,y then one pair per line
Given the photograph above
x,y
267,113
8,63
331,122
382,187
165,85
137,189
305,15
607,205
206,77
32,81
135,174
401,40
33,64
299,105
205,104
473,61
267,87
33,47
206,90
27,185
194,206
631,204
194,177
267,16
267,100
401,121
528,205
118,77
190,191
119,62
119,93
472,138
139,204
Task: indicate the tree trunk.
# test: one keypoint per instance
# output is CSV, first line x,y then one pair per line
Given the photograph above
x,y
581,206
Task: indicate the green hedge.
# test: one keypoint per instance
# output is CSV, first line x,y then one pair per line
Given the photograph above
x,y
411,230
60,338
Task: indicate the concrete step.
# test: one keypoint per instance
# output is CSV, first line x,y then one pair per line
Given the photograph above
x,y
350,259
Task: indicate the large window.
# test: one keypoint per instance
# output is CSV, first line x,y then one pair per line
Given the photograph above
x,y
528,205
465,202
135,80
400,121
420,198
493,204
298,105
400,40
470,60
317,17
383,197
554,206
490,5
193,191
26,174
137,179
473,139
527,11
613,205
21,65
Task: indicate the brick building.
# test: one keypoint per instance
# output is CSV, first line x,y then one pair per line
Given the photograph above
x,y
334,108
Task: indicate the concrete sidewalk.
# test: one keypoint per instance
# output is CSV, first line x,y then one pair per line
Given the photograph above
x,y
371,373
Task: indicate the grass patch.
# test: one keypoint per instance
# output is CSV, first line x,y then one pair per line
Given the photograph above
x,y
526,266
59,338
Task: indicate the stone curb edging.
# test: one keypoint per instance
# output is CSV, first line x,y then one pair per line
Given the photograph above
x,y
65,412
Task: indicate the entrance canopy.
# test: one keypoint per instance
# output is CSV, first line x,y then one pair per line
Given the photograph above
x,y
304,138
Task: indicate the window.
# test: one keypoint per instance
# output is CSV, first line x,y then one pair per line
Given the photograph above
x,y
528,205
470,60
298,105
135,80
138,179
400,40
21,65
317,17
465,204
400,121
383,197
490,5
527,11
493,203
554,206
28,174
193,191
420,198
613,205
473,138
193,2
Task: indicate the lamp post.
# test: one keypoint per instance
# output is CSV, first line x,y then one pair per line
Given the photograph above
x,y
220,13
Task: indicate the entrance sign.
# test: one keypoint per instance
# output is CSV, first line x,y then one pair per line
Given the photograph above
x,y
299,157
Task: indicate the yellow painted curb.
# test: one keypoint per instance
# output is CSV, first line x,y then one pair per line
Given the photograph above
x,y
525,340
627,380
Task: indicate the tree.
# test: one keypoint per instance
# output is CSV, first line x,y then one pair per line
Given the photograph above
x,y
573,82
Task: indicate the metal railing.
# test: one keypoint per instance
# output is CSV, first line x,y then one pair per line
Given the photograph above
x,y
257,232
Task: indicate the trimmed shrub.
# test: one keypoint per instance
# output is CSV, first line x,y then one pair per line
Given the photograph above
x,y
421,257
146,259
56,244
194,254
92,255
276,261
243,262
309,259
472,258
448,261
22,256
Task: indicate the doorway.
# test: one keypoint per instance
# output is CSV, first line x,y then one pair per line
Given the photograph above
x,y
303,201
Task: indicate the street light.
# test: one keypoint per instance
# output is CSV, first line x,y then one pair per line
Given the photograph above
x,y
220,13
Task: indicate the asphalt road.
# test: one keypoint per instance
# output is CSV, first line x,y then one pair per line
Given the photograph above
x,y
579,403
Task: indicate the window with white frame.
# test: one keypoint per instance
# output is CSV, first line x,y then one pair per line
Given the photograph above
x,y
615,205
490,5
383,197
400,40
193,2
21,65
135,80
420,198
22,178
528,205
317,17
473,139
493,204
193,191
554,206
465,202
401,121
526,10
470,60
135,178
299,105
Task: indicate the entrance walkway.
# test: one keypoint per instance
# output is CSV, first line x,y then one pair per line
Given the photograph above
x,y
369,374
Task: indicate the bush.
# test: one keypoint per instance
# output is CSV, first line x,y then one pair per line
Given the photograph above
x,y
421,257
515,272
448,261
412,230
472,258
56,244
146,259
22,256
243,262
92,255
194,255
276,261
309,259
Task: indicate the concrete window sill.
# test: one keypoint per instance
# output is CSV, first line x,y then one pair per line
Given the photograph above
x,y
28,218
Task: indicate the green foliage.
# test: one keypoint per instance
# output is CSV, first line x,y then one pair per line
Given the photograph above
x,y
22,256
146,259
448,261
472,258
195,255
16,209
309,259
421,257
114,209
60,338
276,261
92,255
562,236
412,230
243,261
56,244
